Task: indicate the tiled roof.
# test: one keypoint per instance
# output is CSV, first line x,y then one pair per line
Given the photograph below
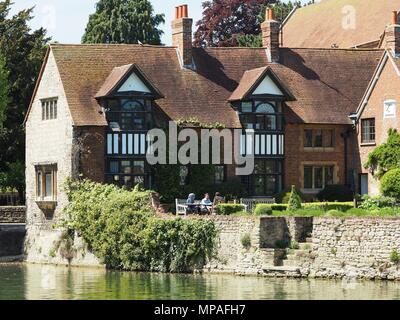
x,y
327,84
329,22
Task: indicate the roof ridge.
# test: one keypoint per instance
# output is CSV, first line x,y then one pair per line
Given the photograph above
x,y
110,45
335,49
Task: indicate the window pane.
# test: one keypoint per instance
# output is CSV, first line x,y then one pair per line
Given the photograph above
x,y
259,166
308,178
55,110
39,184
132,105
259,184
219,174
48,184
308,136
328,138
126,167
318,178
138,167
247,107
265,108
114,166
270,122
318,138
368,130
183,174
271,185
271,166
329,175
43,110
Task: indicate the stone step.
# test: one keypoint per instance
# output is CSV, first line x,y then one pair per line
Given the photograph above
x,y
309,240
281,269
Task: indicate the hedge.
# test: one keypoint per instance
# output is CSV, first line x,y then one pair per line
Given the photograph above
x,y
228,209
263,209
325,206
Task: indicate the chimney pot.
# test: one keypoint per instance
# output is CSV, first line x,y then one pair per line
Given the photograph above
x,y
271,14
185,11
394,17
176,12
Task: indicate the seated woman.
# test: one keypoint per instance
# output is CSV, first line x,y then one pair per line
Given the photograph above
x,y
206,204
192,207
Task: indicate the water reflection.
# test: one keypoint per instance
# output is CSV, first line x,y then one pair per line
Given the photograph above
x,y
50,282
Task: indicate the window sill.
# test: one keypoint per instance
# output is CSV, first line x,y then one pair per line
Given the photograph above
x,y
46,204
319,149
367,144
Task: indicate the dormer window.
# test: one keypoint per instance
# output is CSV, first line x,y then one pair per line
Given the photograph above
x,y
261,115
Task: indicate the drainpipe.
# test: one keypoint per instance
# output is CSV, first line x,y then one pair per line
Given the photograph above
x,y
345,135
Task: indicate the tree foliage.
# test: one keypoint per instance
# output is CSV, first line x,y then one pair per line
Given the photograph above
x,y
390,184
4,92
124,21
23,51
386,156
122,230
228,23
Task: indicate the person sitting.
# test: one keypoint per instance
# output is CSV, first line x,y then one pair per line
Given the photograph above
x,y
190,202
218,199
206,204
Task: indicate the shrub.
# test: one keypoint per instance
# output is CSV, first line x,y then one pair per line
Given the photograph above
x,y
336,193
228,209
326,206
395,256
122,230
371,203
294,200
390,184
284,195
334,213
263,209
246,241
294,245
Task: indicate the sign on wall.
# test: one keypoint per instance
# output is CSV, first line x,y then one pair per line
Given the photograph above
x,y
389,109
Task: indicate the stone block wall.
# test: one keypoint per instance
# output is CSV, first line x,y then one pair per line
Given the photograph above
x,y
13,214
355,247
11,240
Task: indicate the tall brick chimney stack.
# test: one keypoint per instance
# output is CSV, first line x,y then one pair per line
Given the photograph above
x,y
392,35
270,35
182,35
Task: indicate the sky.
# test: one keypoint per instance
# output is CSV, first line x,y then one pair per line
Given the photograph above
x,y
65,21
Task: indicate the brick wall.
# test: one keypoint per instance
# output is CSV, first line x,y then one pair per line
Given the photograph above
x,y
387,88
297,156
13,214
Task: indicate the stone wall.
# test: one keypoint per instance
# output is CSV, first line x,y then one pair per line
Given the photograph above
x,y
12,214
355,247
11,241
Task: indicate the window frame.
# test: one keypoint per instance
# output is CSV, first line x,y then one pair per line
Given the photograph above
x,y
323,135
278,175
261,121
111,176
147,114
49,109
363,134
323,168
41,173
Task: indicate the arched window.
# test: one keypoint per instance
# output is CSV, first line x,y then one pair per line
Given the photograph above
x,y
265,117
265,108
133,106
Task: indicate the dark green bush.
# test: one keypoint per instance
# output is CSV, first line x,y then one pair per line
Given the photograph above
x,y
294,202
228,209
262,209
122,230
377,202
336,192
390,184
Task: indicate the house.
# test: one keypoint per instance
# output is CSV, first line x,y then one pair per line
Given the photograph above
x,y
316,113
338,24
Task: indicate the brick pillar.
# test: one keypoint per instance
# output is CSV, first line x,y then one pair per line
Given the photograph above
x,y
270,35
182,35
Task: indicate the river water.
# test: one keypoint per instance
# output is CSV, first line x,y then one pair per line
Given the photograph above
x,y
28,281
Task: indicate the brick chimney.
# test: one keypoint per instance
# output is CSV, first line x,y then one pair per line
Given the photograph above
x,y
270,35
392,35
182,35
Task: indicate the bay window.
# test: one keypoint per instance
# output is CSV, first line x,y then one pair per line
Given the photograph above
x,y
261,115
46,182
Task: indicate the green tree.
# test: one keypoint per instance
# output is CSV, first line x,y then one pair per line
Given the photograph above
x,y
294,200
385,157
390,184
23,51
124,21
4,91
13,177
